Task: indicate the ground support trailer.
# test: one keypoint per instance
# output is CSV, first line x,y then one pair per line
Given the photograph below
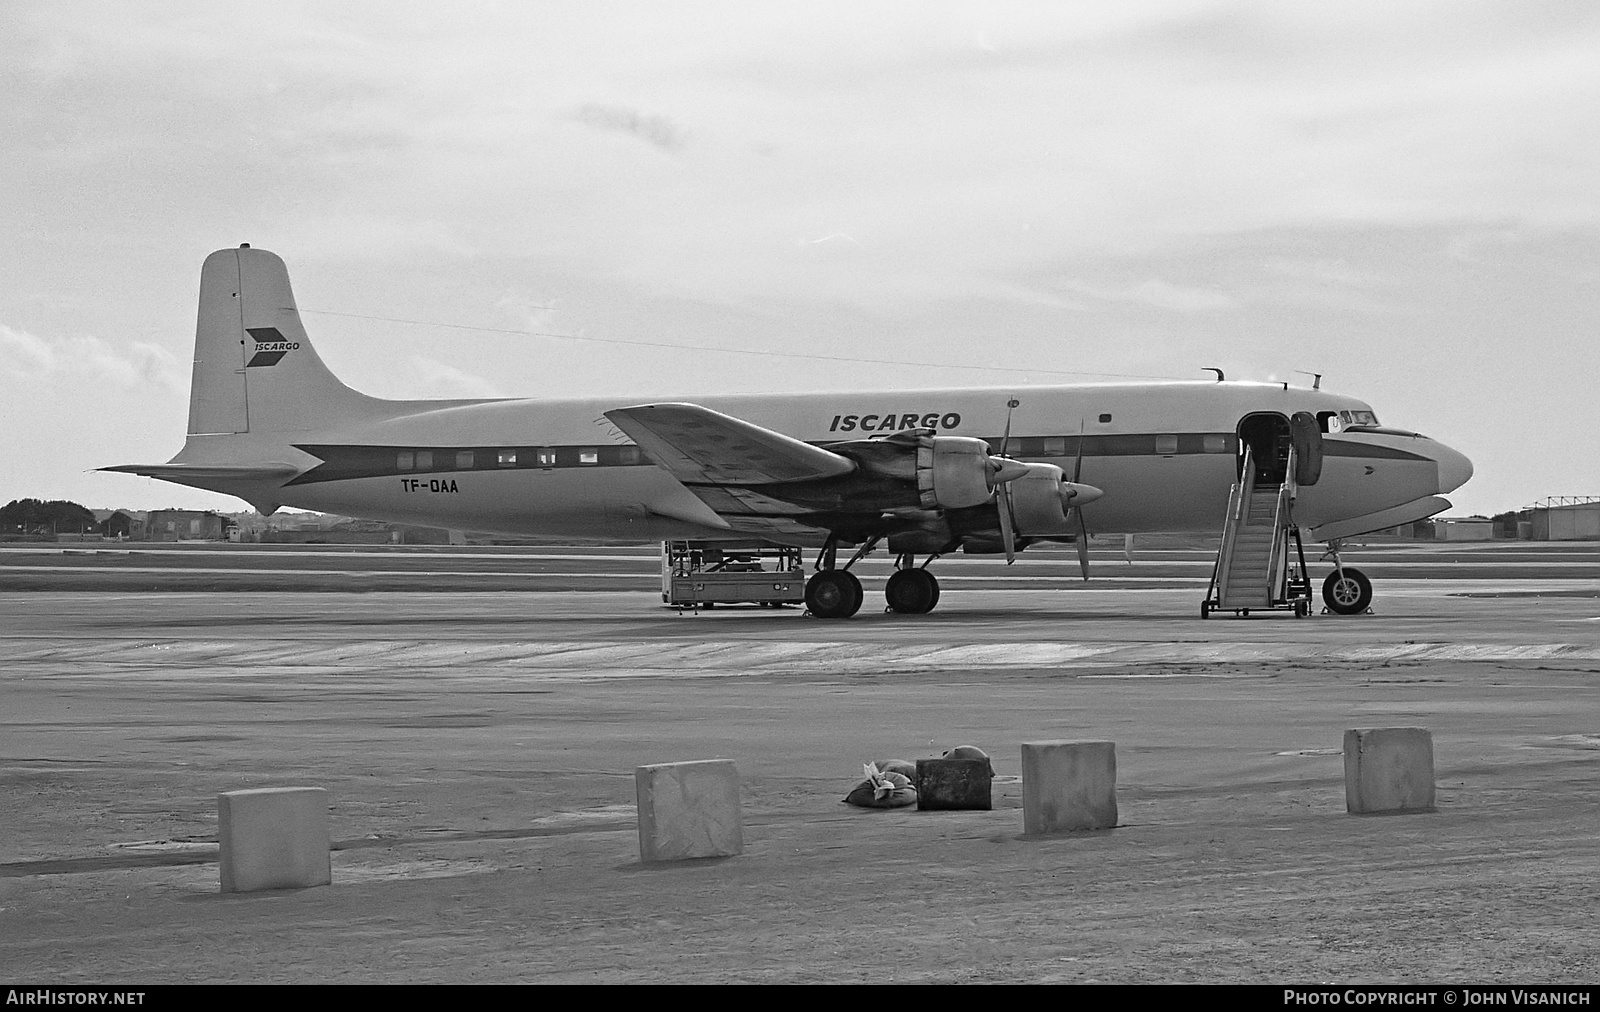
x,y
698,575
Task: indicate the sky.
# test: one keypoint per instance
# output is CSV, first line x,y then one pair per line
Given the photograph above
x,y
663,200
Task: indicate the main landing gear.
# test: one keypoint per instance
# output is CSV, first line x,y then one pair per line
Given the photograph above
x,y
833,593
836,592
911,590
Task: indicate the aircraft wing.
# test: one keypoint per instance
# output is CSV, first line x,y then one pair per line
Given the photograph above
x,y
700,446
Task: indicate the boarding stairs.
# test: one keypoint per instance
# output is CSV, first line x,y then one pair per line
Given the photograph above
x,y
1254,568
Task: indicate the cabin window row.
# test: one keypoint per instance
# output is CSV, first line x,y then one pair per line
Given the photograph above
x,y
519,456
1096,446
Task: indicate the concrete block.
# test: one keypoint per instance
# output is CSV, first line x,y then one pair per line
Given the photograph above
x,y
273,838
688,810
1068,785
1388,769
954,784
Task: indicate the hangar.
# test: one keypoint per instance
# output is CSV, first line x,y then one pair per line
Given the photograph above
x,y
1566,518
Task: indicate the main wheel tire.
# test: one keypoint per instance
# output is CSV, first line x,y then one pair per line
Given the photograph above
x,y
912,591
1205,609
833,593
1347,591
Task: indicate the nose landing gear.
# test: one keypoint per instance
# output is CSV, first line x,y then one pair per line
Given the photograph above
x,y
1346,591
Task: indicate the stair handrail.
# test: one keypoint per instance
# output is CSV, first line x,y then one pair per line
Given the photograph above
x,y
1238,503
1280,543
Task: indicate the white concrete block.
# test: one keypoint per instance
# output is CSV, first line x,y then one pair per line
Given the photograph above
x,y
688,810
274,838
1388,769
1068,785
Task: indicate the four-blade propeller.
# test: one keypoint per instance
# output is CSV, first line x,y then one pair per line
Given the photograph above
x,y
1074,494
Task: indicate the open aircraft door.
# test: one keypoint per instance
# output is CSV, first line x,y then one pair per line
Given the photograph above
x,y
1306,436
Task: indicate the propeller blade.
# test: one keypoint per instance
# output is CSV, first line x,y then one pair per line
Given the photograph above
x,y
1007,533
1083,544
1082,494
1077,467
1005,440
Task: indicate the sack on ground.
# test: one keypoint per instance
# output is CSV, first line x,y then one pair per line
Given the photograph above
x,y
882,789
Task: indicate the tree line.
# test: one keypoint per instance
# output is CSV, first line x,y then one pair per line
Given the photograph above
x,y
49,516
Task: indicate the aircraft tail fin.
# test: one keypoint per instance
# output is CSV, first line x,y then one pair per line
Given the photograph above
x,y
254,367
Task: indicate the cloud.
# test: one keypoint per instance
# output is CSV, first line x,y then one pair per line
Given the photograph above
x,y
657,130
527,313
428,377
1161,294
139,363
23,354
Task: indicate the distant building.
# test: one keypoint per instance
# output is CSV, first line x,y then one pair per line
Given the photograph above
x,y
1466,529
1421,530
186,525
1565,518
331,530
126,525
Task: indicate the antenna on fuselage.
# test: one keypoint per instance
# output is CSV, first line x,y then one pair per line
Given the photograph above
x,y
1316,378
1212,368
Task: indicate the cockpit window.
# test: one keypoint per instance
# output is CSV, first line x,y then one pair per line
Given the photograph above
x,y
1338,421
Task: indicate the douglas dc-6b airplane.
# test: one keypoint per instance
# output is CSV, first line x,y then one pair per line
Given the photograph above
x,y
922,472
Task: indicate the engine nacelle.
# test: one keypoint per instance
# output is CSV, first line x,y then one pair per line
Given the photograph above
x,y
1038,506
953,471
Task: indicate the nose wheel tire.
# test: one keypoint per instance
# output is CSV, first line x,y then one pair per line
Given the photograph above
x,y
912,591
833,593
1347,591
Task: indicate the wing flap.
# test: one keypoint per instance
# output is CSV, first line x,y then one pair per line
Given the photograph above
x,y
698,445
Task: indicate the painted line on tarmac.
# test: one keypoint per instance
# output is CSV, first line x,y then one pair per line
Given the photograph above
x,y
729,658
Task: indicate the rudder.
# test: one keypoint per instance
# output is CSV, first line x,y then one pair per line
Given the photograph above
x,y
254,367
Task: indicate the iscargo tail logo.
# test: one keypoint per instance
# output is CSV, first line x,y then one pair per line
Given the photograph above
x,y
270,346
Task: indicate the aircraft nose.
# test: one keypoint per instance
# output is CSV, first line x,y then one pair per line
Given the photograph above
x,y
1454,468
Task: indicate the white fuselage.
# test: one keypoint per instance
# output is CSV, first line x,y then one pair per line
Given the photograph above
x,y
1165,456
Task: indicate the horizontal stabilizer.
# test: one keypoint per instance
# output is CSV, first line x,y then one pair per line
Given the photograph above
x,y
1411,512
216,472
699,445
